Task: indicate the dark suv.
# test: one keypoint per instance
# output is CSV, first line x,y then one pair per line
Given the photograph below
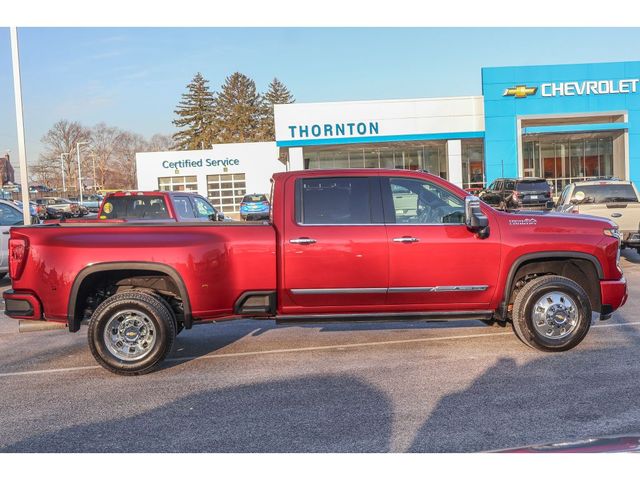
x,y
517,193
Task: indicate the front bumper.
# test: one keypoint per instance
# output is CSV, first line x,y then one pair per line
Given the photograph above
x,y
613,295
22,305
631,239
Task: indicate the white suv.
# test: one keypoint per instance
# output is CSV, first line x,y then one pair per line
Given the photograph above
x,y
616,200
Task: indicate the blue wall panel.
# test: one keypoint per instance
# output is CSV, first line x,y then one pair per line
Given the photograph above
x,y
501,112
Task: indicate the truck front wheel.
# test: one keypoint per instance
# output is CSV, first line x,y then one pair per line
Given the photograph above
x,y
130,333
551,313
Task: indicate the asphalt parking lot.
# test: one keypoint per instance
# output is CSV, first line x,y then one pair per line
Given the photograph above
x,y
252,386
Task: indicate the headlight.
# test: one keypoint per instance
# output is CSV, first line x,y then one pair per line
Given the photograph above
x,y
615,233
612,232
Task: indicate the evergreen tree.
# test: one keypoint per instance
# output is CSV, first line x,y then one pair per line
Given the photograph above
x,y
239,110
195,116
277,93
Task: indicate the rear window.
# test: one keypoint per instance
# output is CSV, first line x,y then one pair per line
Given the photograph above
x,y
254,198
135,207
540,186
604,193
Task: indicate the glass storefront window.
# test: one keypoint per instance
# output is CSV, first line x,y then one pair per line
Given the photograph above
x,y
431,157
472,164
565,160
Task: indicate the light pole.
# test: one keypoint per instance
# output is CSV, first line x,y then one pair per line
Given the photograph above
x,y
79,171
64,185
93,159
22,150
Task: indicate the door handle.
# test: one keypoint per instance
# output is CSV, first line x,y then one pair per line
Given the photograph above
x,y
5,232
616,215
302,241
406,239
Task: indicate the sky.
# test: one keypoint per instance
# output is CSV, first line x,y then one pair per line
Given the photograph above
x,y
132,78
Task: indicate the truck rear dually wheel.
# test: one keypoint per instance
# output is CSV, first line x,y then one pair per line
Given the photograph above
x,y
130,333
551,313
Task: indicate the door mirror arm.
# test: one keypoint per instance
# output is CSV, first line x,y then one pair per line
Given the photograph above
x,y
475,220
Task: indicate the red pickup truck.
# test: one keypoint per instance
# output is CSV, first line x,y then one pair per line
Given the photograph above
x,y
341,244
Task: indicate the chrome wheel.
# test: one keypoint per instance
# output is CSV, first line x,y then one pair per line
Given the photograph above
x,y
555,315
130,335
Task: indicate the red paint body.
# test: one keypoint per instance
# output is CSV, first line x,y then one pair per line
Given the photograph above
x,y
218,262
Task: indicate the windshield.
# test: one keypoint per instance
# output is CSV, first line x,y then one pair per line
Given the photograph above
x,y
135,207
604,193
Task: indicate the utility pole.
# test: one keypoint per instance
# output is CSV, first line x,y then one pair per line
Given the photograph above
x,y
22,151
64,185
79,170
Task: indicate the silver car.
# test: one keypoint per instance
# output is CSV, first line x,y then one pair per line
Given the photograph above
x,y
10,215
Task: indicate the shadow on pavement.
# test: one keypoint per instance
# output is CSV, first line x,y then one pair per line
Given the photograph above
x,y
193,343
310,414
540,401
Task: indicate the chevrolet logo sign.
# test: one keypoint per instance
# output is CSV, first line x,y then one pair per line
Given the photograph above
x,y
520,91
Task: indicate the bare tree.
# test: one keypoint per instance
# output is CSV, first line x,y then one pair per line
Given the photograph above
x,y
61,138
124,175
160,143
104,147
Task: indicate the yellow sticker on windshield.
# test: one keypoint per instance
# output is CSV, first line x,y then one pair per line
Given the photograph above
x,y
108,208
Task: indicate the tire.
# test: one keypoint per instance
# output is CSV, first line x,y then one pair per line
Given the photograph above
x,y
544,332
2,275
137,314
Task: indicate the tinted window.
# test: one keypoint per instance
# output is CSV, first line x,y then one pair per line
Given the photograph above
x,y
203,208
540,186
135,207
419,201
604,193
335,201
9,215
183,207
509,185
254,198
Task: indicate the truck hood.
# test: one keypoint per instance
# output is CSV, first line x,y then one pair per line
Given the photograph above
x,y
556,220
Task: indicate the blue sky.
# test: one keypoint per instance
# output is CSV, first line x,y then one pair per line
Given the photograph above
x,y
133,77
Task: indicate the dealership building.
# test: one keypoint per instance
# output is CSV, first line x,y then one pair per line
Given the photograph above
x,y
560,122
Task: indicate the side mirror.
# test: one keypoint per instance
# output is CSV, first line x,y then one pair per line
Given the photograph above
x,y
474,219
217,217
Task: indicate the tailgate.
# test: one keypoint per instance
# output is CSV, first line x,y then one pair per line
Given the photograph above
x,y
625,215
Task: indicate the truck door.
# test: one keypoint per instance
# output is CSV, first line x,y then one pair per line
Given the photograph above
x,y
435,262
334,246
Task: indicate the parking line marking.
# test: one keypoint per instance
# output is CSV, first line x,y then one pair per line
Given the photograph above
x,y
300,349
53,370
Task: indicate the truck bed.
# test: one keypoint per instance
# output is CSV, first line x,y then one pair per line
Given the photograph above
x,y
216,262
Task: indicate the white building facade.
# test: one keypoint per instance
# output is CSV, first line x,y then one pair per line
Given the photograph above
x,y
223,174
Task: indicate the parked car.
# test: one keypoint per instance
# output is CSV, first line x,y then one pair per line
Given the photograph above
x,y
10,215
616,200
90,202
66,207
337,248
518,193
254,206
38,212
158,206
39,189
